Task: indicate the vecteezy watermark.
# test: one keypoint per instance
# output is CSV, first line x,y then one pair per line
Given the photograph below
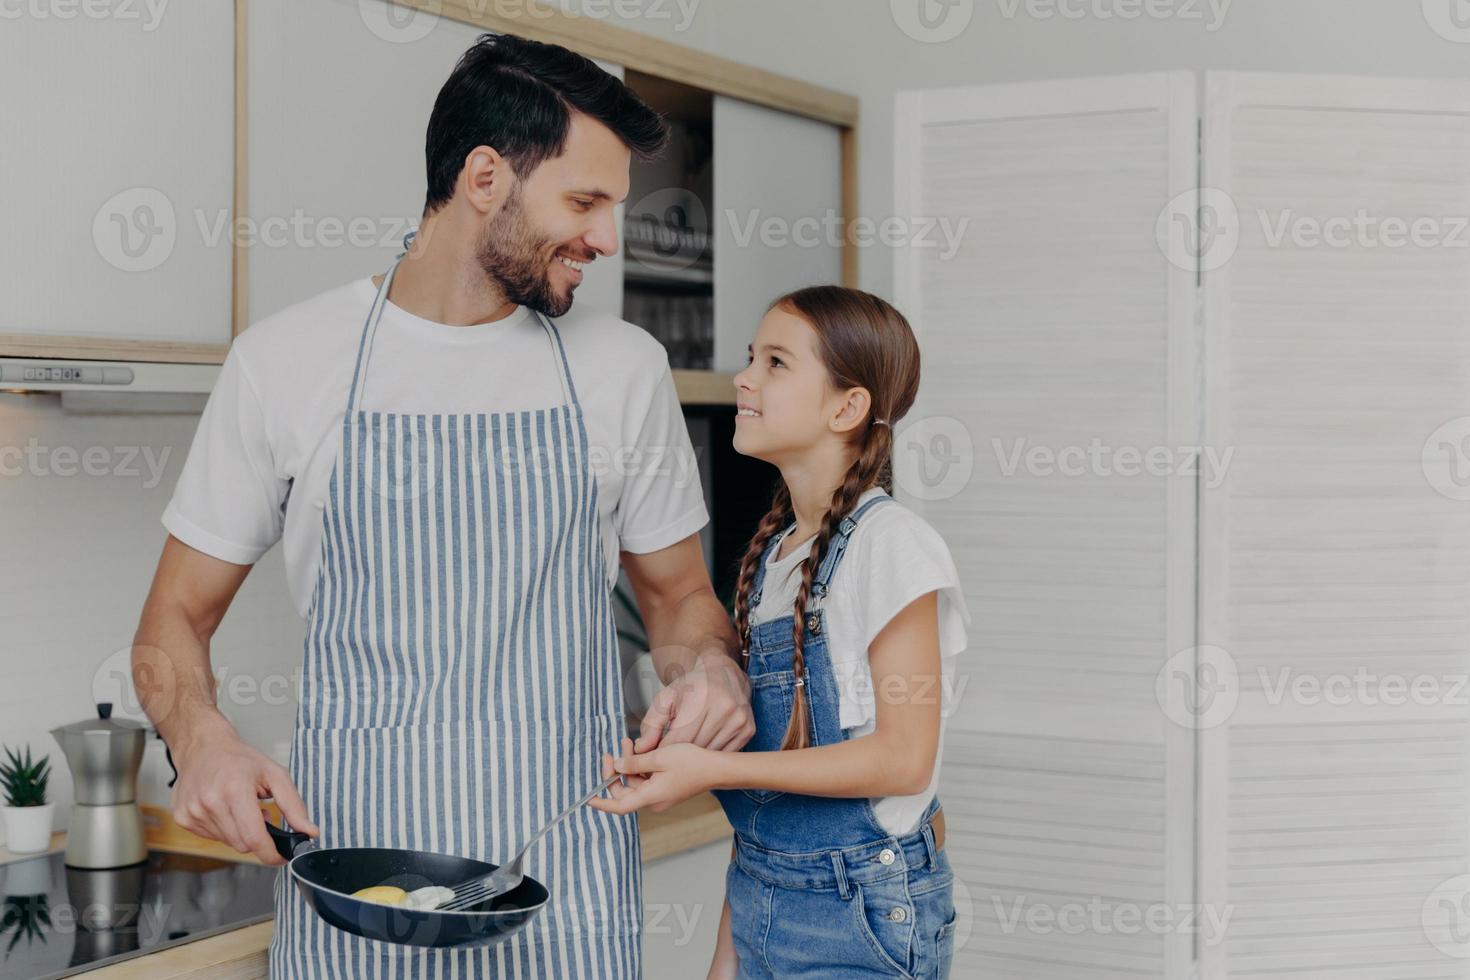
x,y
1198,230
1450,19
1103,917
932,21
1198,687
1097,459
1202,230
933,457
1445,917
37,460
137,229
398,24
1201,687
144,922
1363,687
1211,13
1364,229
829,229
676,919
148,12
1445,458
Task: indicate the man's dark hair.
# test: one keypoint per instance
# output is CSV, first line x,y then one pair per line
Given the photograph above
x,y
518,96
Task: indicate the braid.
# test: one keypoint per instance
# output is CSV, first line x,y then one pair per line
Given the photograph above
x,y
773,523
870,467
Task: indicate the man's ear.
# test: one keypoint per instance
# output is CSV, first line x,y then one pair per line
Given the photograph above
x,y
486,179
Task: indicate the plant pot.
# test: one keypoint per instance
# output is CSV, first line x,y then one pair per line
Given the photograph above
x,y
28,828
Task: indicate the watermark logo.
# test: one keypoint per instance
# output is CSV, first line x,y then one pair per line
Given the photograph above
x,y
1211,13
1199,230
149,12
667,230
135,230
1102,917
38,460
1198,687
1445,917
932,21
398,24
1450,19
1101,460
1445,458
933,457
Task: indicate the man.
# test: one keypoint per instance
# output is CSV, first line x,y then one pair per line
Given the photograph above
x,y
448,471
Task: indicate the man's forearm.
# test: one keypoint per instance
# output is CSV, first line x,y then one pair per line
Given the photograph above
x,y
684,631
172,675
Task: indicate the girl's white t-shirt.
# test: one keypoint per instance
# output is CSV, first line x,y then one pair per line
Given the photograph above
x,y
259,470
893,558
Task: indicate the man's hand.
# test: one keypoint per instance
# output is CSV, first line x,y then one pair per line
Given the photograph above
x,y
706,696
708,706
221,783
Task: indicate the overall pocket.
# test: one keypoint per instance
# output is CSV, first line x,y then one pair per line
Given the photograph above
x,y
885,919
770,702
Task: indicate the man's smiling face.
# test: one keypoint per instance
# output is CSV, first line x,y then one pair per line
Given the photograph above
x,y
558,220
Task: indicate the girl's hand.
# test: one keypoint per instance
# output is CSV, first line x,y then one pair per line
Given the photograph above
x,y
658,779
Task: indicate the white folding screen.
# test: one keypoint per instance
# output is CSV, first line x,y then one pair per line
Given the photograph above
x,y
1335,555
1059,351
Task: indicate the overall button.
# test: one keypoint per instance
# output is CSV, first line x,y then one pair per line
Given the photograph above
x,y
814,623
899,914
885,856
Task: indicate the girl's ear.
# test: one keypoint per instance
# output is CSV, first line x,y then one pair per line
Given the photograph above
x,y
852,410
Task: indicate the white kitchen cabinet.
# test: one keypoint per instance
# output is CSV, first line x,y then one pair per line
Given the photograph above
x,y
339,96
361,165
777,203
116,172
1056,324
1334,566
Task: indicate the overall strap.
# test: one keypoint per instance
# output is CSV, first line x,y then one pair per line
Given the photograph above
x,y
370,329
835,548
838,545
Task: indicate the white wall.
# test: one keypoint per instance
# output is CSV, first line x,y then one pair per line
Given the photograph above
x,y
81,536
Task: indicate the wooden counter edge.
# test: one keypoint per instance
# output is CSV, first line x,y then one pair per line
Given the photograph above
x,y
695,822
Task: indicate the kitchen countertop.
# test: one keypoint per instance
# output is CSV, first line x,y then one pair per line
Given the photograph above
x,y
241,953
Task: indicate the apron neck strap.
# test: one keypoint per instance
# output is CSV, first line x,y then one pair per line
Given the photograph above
x,y
370,330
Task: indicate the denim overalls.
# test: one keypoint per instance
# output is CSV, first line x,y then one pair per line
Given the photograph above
x,y
817,886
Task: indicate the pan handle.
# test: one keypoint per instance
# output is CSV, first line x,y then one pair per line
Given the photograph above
x,y
289,842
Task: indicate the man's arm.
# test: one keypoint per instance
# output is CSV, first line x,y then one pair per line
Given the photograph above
x,y
706,698
221,779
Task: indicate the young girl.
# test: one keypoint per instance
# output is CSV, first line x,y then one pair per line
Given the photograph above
x,y
849,609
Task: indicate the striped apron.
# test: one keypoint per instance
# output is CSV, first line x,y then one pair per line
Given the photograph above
x,y
462,680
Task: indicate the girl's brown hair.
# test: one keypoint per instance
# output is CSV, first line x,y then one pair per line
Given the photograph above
x,y
864,343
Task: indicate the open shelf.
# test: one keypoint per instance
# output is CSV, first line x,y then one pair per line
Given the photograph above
x,y
704,387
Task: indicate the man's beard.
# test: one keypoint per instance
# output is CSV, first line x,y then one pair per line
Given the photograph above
x,y
511,255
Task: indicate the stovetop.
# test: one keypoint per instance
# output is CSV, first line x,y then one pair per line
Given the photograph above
x,y
57,921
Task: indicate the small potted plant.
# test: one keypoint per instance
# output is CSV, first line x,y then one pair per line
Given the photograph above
x,y
27,814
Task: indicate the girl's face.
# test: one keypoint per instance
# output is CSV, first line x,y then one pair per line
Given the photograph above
x,y
785,403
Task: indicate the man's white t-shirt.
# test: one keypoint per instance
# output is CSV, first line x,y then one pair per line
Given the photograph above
x,y
262,458
893,558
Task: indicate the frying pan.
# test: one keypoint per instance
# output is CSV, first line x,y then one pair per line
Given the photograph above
x,y
327,877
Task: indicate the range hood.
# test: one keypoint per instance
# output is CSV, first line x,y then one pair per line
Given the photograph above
x,y
110,386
